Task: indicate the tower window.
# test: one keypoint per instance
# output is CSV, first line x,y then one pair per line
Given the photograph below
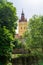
x,y
24,27
21,27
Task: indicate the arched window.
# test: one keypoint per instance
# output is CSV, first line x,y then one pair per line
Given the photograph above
x,y
24,27
21,27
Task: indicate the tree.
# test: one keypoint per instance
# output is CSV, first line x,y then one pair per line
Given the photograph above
x,y
6,45
3,1
36,31
34,36
8,26
8,17
18,44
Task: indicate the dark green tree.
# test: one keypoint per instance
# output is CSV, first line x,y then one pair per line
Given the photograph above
x,y
3,1
8,26
8,17
6,45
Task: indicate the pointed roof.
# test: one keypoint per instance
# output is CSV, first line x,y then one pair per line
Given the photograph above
x,y
22,12
22,17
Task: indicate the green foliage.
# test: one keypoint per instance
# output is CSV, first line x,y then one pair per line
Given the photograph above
x,y
34,35
6,39
6,45
36,31
9,64
3,1
8,25
8,17
18,44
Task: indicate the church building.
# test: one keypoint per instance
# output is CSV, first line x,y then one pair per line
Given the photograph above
x,y
22,25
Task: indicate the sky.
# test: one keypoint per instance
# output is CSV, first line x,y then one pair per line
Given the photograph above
x,y
30,7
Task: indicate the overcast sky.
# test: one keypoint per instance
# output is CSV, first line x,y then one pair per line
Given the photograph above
x,y
30,7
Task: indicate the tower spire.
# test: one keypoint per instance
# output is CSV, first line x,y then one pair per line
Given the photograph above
x,y
22,12
22,17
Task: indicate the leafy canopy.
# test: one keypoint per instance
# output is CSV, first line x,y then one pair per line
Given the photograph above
x,y
8,17
8,26
34,35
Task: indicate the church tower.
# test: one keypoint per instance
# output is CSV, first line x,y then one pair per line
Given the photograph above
x,y
22,25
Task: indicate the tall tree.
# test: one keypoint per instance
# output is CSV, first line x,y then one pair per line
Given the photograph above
x,y
8,26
